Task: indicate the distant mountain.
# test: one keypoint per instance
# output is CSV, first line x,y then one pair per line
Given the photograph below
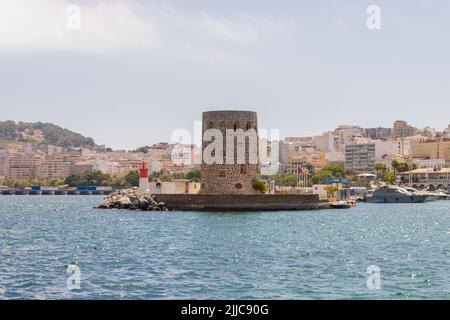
x,y
43,133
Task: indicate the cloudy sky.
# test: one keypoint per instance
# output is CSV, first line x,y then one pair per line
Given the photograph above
x,y
137,70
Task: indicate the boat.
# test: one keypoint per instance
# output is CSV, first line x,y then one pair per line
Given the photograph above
x,y
438,195
340,205
394,194
432,195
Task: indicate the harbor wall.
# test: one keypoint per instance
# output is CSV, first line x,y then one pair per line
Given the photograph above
x,y
236,202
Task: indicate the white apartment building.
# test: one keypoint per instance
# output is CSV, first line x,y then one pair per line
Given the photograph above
x,y
383,148
107,167
360,157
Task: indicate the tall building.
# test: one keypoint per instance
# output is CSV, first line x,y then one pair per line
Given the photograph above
x,y
346,134
327,142
53,169
22,166
360,157
378,133
402,129
226,177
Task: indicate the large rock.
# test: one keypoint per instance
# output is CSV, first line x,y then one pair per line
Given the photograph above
x,y
143,203
131,199
124,201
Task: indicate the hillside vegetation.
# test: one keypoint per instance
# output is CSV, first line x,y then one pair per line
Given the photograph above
x,y
43,133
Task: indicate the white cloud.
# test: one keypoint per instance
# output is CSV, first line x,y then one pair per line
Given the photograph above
x,y
235,30
42,25
123,25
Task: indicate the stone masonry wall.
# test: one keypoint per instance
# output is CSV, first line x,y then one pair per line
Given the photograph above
x,y
229,178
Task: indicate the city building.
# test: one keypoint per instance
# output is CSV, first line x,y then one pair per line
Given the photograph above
x,y
382,148
327,142
426,178
402,129
106,167
431,150
3,164
346,134
175,187
22,166
53,169
430,163
378,133
82,167
360,157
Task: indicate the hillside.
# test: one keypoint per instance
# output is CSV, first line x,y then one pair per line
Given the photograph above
x,y
43,133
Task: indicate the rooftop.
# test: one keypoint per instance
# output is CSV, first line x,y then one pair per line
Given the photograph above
x,y
428,170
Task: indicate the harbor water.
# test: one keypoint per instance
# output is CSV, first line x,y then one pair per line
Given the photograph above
x,y
320,254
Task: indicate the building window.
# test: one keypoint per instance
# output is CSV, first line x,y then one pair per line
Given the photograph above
x,y
236,125
238,186
248,126
243,169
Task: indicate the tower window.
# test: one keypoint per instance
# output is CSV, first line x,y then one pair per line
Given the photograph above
x,y
236,126
248,126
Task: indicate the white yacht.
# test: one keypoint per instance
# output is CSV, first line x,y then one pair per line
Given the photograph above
x,y
394,194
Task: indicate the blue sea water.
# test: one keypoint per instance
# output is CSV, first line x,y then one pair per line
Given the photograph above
x,y
257,255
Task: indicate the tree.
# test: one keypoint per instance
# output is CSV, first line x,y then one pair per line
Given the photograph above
x,y
260,186
118,182
89,178
96,178
132,178
194,175
389,177
402,166
73,180
330,190
331,171
142,149
395,164
285,179
380,169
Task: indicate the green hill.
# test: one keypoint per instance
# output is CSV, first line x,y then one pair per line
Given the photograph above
x,y
43,133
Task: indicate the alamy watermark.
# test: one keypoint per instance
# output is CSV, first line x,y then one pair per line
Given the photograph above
x,y
373,277
374,19
73,281
73,21
227,146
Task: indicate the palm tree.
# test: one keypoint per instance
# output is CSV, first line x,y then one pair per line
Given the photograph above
x,y
396,165
380,169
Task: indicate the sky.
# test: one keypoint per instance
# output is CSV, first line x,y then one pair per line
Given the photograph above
x,y
133,71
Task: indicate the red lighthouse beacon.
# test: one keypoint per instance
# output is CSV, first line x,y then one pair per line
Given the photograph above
x,y
143,178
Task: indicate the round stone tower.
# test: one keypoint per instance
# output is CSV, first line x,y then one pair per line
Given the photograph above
x,y
234,172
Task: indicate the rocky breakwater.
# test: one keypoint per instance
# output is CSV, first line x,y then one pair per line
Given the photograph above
x,y
131,199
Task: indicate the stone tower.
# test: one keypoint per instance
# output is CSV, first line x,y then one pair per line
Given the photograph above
x,y
235,177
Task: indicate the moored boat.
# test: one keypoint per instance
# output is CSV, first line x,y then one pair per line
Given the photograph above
x,y
394,194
